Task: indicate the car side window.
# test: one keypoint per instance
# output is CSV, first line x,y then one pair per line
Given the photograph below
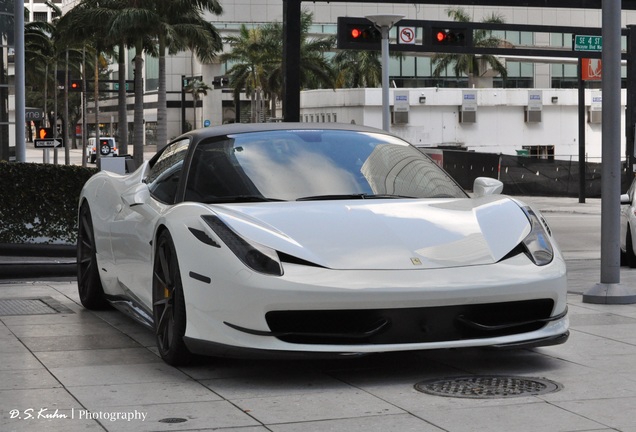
x,y
165,173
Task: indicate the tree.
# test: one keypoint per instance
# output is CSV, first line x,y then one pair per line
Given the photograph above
x,y
357,69
248,59
150,27
470,64
197,88
256,59
87,25
54,61
182,26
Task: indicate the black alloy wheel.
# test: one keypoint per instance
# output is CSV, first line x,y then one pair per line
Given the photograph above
x,y
169,310
89,284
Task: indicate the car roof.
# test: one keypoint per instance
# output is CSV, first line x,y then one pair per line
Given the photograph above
x,y
234,128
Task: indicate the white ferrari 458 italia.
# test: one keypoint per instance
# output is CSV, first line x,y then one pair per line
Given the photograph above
x,y
315,239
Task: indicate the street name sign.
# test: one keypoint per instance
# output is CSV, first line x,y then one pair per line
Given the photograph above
x,y
587,43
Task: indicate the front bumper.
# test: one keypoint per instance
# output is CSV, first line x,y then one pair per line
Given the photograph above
x,y
228,309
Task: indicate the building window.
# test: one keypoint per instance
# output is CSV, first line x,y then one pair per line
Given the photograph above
x,y
40,16
540,151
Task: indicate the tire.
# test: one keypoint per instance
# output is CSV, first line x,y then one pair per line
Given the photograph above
x,y
104,150
89,285
169,311
630,256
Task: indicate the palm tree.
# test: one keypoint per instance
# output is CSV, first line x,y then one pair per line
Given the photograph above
x,y
197,88
87,24
357,69
150,27
315,69
472,65
139,24
44,54
256,59
182,26
248,58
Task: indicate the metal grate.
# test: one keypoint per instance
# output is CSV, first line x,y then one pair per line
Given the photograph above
x,y
32,306
173,420
487,387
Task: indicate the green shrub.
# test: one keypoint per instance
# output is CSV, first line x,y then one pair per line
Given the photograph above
x,y
38,202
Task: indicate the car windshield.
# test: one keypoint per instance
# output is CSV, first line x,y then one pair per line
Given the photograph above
x,y
313,165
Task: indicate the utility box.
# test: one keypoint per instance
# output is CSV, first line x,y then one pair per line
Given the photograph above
x,y
535,107
595,112
468,109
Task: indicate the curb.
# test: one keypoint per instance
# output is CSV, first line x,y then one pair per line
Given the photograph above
x,y
19,261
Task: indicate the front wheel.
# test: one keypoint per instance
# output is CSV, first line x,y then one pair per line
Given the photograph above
x,y
89,284
169,310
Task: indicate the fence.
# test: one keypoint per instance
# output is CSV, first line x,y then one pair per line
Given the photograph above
x,y
523,175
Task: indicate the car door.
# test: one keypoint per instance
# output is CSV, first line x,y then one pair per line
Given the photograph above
x,y
133,231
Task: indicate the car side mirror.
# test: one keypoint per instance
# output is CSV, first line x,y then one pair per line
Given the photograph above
x,y
136,195
483,186
625,199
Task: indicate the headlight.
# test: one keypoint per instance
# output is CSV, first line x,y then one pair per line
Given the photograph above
x,y
537,244
257,257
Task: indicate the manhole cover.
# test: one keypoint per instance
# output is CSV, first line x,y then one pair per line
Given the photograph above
x,y
487,387
173,420
31,306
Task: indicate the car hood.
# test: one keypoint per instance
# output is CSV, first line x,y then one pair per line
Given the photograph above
x,y
384,234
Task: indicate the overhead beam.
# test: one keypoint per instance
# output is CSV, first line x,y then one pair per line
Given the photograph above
x,y
568,4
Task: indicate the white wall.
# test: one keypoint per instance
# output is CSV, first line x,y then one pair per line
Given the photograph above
x,y
500,125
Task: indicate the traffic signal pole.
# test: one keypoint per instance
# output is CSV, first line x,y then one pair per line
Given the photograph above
x,y
20,90
384,24
610,290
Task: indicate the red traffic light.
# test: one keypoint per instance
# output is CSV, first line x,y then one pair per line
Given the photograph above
x,y
454,37
364,34
358,34
75,85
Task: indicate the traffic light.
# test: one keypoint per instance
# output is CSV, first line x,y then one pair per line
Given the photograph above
x,y
75,85
356,33
220,82
45,133
449,37
364,34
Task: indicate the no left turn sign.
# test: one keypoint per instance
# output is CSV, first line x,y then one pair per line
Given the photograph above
x,y
406,35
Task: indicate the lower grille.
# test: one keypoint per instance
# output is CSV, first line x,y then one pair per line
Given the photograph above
x,y
409,325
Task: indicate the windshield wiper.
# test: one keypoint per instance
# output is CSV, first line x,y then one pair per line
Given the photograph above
x,y
350,196
239,198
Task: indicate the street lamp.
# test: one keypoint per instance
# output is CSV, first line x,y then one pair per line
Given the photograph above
x,y
384,24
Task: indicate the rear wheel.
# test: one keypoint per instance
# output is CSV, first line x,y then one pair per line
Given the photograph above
x,y
169,310
105,149
89,285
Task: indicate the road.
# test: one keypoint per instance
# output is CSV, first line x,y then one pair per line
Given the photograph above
x,y
578,235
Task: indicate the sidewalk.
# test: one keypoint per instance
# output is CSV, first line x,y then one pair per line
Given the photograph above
x,y
99,371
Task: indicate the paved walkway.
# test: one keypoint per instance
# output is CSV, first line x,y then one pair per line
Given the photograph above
x,y
75,370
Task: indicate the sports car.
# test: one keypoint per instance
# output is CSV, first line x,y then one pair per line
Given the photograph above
x,y
296,239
